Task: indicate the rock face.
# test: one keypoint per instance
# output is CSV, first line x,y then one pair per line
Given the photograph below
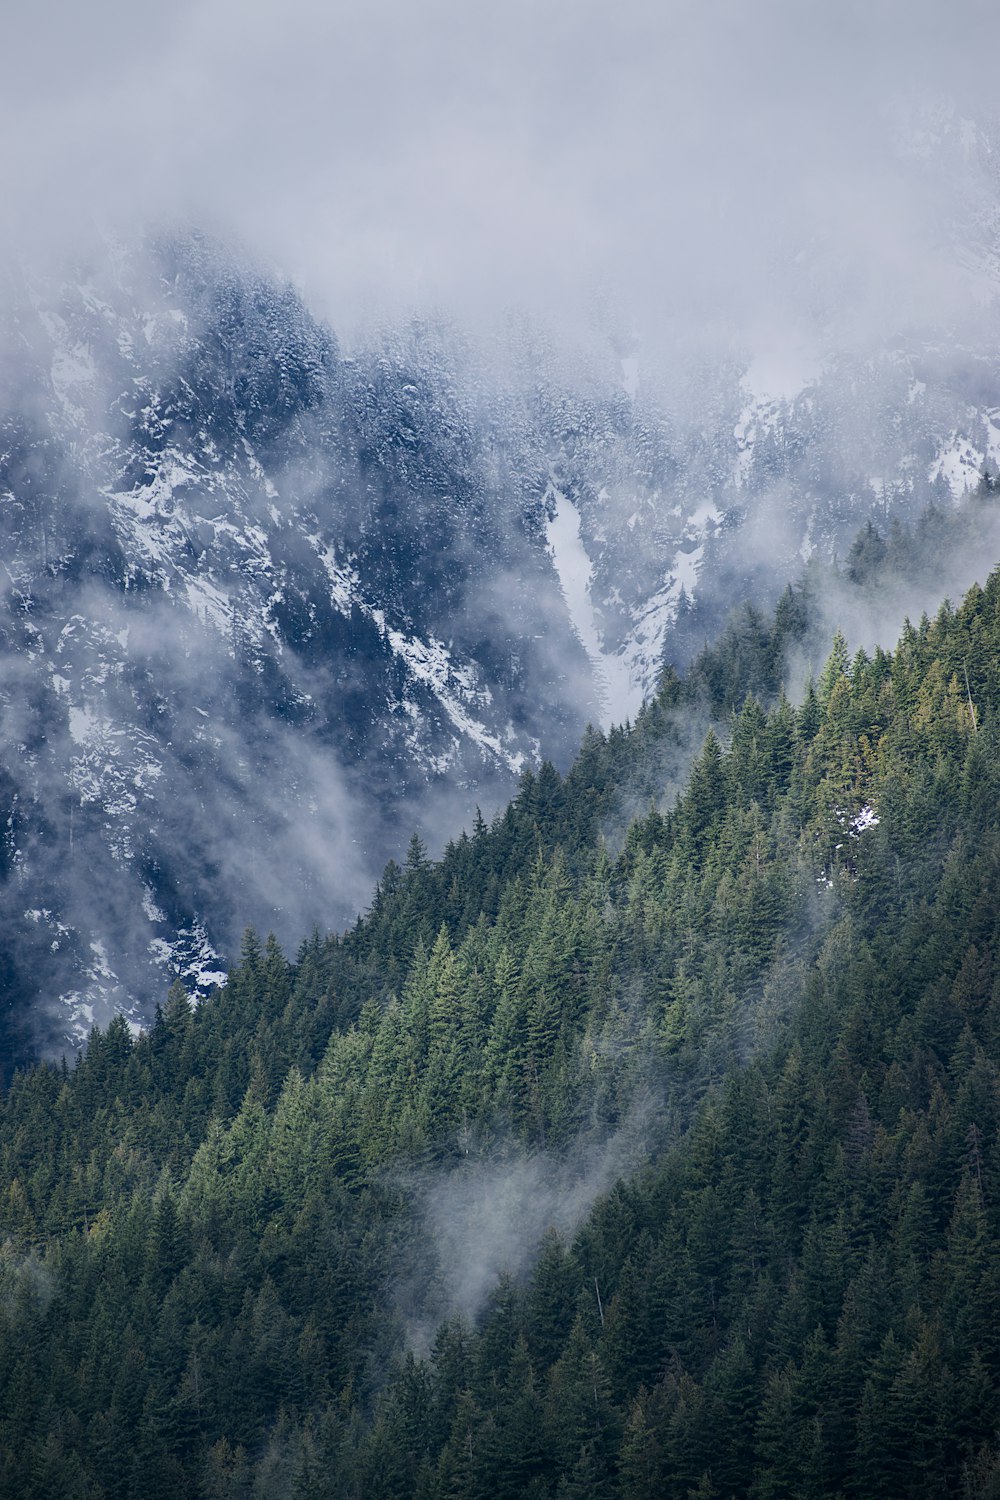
x,y
266,608
263,613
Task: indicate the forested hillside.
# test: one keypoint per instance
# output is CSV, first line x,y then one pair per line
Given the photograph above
x,y
742,1049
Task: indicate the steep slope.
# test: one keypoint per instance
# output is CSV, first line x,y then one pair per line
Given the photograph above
x,y
249,586
773,1012
267,606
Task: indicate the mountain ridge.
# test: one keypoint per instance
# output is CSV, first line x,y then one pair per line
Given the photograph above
x,y
239,559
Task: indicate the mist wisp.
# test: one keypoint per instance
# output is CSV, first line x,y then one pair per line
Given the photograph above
x,y
486,1216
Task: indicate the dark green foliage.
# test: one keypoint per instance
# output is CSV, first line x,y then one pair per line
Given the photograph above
x,y
784,983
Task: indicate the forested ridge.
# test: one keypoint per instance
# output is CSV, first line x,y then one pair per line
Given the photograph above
x,y
218,1275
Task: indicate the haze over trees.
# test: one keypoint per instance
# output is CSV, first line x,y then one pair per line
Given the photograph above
x,y
744,1056
577,424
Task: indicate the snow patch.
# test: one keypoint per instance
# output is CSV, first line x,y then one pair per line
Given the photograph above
x,y
619,696
430,663
150,908
863,820
342,578
756,420
959,463
83,723
100,969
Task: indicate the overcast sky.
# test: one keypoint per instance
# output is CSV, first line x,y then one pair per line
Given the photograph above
x,y
724,163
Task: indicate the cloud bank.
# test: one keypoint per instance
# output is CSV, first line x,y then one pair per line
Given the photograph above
x,y
701,167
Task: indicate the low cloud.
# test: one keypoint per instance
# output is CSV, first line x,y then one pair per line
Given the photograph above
x,y
716,167
487,1216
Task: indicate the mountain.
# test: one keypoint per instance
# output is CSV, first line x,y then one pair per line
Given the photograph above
x,y
252,586
657,1167
268,606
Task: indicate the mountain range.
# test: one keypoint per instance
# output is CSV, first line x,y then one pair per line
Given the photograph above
x,y
270,605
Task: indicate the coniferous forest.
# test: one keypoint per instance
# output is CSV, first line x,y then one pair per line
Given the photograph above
x,y
642,1145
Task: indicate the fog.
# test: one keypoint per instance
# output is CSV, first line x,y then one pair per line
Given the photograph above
x,y
779,173
690,204
486,1217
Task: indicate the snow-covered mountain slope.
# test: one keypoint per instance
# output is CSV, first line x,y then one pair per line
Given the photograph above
x,y
650,510
262,615
266,606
